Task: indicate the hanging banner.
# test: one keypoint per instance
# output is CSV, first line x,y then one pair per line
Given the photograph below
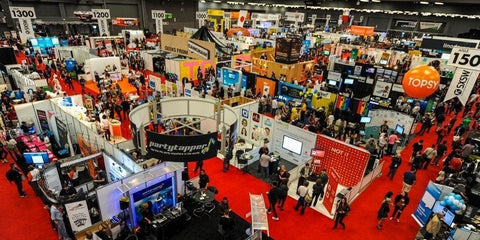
x,y
461,85
24,16
125,22
42,118
181,148
242,17
26,27
424,209
78,215
191,48
158,16
446,45
102,15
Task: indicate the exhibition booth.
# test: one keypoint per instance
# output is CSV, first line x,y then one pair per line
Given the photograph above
x,y
293,72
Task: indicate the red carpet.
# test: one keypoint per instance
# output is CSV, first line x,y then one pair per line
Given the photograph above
x,y
22,218
362,220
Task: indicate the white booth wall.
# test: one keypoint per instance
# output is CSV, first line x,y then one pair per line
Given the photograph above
x,y
98,65
307,138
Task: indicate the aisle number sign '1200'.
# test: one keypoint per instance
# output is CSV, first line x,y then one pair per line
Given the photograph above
x,y
102,15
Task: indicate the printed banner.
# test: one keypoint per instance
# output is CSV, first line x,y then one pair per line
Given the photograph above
x,y
160,195
424,209
42,118
181,148
103,27
26,27
461,85
62,132
78,215
331,190
430,26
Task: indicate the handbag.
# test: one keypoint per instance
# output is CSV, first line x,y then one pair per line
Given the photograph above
x,y
308,198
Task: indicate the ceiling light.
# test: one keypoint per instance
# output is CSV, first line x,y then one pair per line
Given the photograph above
x,y
439,3
364,0
423,2
376,1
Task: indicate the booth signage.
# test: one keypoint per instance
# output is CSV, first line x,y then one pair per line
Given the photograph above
x,y
430,26
101,13
465,58
404,24
181,148
62,132
462,85
199,50
78,215
23,12
424,209
26,27
294,16
184,46
273,17
42,118
331,190
445,45
227,14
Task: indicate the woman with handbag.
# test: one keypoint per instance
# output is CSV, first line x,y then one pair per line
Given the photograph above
x,y
302,192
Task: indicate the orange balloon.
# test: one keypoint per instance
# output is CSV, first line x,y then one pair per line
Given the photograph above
x,y
421,81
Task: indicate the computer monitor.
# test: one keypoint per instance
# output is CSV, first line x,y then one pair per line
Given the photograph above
x,y
326,52
365,119
449,215
36,158
399,129
348,81
410,100
370,70
332,82
383,62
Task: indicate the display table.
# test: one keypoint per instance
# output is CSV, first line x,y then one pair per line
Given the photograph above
x,y
34,144
116,128
203,196
169,223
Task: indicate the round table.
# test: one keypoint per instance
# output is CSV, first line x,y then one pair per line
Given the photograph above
x,y
204,196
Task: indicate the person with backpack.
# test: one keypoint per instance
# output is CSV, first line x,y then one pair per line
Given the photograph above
x,y
14,175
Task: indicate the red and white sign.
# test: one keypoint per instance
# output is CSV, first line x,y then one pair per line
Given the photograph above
x,y
348,161
242,17
331,190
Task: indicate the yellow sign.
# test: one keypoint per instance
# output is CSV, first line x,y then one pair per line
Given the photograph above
x,y
190,68
215,12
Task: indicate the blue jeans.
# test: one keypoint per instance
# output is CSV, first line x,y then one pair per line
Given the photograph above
x,y
265,172
301,203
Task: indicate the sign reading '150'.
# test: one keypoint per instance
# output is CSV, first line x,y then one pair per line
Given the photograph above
x,y
22,12
467,58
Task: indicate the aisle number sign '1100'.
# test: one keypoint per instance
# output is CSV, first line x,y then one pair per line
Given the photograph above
x,y
24,16
102,16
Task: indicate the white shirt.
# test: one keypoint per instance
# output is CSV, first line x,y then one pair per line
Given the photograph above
x,y
330,119
35,174
274,104
302,191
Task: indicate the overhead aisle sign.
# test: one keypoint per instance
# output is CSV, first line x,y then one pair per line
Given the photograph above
x,y
158,16
24,16
102,16
467,61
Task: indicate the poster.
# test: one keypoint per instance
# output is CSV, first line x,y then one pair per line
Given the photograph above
x,y
160,195
245,124
424,209
42,118
181,148
382,89
78,215
62,132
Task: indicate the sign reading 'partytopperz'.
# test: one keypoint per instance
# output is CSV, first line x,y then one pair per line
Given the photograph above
x,y
181,148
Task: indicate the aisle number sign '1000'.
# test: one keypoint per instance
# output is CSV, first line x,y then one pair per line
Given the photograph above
x,y
102,15
24,16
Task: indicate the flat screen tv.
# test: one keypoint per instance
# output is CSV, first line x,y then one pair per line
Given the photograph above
x,y
332,82
383,62
370,70
449,215
326,52
399,129
292,145
36,158
365,119
348,81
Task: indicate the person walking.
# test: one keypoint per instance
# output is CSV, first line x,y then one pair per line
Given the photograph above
x,y
392,139
382,213
401,201
318,191
409,179
396,161
441,150
417,147
33,176
264,162
433,226
283,197
342,210
57,216
14,175
429,154
302,193
274,196
227,226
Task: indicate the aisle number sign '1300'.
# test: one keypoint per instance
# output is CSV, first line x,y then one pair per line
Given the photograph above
x,y
102,16
24,16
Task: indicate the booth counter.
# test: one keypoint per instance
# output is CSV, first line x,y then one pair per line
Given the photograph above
x,y
116,128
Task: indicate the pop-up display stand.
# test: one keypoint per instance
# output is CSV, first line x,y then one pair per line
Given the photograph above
x,y
98,65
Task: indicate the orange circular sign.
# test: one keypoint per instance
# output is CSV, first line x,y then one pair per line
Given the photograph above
x,y
421,81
